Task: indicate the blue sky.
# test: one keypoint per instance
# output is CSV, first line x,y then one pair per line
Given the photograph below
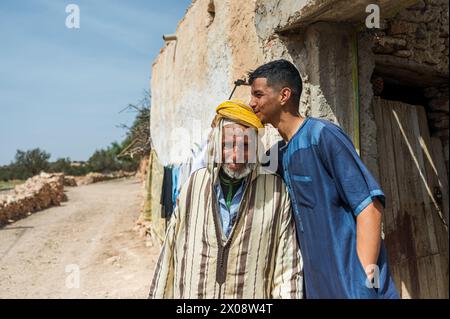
x,y
62,89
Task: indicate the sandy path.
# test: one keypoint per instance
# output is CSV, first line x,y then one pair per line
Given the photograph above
x,y
85,248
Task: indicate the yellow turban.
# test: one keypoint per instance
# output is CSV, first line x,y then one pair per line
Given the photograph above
x,y
238,112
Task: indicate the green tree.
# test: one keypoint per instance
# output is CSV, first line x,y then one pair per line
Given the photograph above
x,y
30,163
66,166
61,165
104,160
6,173
107,160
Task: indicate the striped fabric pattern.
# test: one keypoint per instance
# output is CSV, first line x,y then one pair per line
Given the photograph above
x,y
260,258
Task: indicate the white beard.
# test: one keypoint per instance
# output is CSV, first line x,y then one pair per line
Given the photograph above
x,y
248,168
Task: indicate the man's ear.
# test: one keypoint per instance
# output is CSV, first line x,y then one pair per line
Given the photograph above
x,y
285,95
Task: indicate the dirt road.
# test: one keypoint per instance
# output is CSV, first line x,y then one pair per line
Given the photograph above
x,y
86,248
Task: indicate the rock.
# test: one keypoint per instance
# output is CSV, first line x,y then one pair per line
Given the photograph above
x,y
425,57
431,92
437,3
402,27
421,31
415,16
70,181
389,44
438,120
418,5
440,104
423,44
377,86
112,260
403,53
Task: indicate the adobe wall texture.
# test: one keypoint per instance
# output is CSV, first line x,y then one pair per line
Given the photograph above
x,y
194,74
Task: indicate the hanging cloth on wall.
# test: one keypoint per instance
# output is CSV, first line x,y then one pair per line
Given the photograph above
x,y
175,190
167,193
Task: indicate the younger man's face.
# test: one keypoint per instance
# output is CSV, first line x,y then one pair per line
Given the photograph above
x,y
265,101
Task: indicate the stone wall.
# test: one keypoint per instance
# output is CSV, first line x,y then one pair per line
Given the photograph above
x,y
419,34
37,193
101,177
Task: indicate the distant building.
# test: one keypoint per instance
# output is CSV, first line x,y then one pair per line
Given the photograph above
x,y
77,163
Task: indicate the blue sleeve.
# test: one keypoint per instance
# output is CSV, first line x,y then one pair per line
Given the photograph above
x,y
355,184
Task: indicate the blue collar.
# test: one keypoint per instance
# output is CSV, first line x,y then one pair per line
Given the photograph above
x,y
282,148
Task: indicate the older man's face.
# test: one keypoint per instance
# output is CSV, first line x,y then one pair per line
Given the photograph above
x,y
238,147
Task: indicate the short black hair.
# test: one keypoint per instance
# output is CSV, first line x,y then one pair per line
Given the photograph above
x,y
279,73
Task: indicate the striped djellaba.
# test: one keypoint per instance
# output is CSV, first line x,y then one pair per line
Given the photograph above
x,y
259,259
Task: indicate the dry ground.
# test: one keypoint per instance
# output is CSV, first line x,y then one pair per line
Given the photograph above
x,y
93,232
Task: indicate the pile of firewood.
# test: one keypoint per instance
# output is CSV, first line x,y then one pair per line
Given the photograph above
x,y
37,193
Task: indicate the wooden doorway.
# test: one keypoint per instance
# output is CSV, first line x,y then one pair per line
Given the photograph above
x,y
414,178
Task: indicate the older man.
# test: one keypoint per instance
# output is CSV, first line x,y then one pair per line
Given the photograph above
x,y
232,234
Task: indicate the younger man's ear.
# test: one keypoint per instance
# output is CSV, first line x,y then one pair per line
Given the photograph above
x,y
285,95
